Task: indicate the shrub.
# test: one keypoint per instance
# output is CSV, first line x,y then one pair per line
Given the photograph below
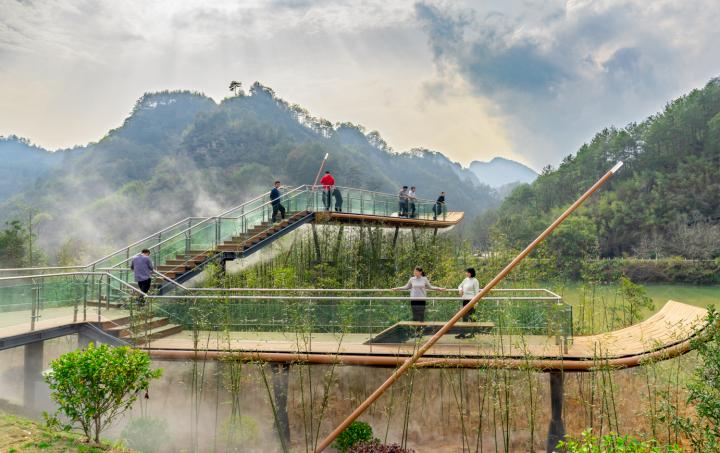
x,y
354,434
589,443
92,387
376,447
703,429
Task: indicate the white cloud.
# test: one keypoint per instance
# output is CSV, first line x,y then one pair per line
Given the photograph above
x,y
561,71
530,80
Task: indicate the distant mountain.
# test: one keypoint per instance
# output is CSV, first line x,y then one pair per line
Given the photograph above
x,y
22,164
180,153
500,171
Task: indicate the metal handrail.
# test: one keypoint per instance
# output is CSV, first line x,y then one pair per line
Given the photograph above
x,y
173,226
551,295
283,297
422,200
205,222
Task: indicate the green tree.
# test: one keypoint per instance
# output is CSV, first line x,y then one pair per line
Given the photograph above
x,y
12,245
634,301
92,387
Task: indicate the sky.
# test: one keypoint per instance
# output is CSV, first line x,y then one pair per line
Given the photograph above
x,y
527,80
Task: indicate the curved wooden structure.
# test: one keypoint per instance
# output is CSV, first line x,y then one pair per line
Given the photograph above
x,y
666,334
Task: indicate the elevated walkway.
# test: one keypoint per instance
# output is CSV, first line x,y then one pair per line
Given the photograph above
x,y
664,335
183,249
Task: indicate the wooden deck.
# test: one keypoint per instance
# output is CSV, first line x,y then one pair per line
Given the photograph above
x,y
664,335
450,219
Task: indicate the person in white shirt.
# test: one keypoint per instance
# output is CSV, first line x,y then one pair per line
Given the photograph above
x,y
418,286
468,289
412,198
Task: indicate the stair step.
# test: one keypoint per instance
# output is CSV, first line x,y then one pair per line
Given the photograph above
x,y
187,264
103,303
157,333
105,325
140,327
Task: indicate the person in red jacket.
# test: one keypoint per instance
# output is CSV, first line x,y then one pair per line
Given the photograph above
x,y
328,182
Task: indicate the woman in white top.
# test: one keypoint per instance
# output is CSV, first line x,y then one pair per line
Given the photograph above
x,y
468,289
418,286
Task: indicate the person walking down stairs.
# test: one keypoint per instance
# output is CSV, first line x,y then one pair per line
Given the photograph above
x,y
327,182
142,267
275,200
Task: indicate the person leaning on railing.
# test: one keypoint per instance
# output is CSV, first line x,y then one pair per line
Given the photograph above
x,y
418,285
439,206
327,182
412,198
403,202
468,289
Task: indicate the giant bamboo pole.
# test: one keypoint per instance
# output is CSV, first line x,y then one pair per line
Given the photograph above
x,y
444,329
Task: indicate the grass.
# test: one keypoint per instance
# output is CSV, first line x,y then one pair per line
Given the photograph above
x,y
698,295
22,435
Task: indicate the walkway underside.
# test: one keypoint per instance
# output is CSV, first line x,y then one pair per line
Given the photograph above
x,y
664,335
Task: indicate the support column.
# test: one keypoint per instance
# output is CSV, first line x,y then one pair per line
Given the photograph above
x,y
412,230
338,243
281,379
316,241
83,341
32,373
556,431
395,238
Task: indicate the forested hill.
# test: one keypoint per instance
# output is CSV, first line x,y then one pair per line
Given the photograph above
x,y
179,154
664,202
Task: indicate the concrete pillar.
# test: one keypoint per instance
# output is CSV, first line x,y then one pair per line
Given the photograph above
x,y
556,431
83,341
281,379
32,373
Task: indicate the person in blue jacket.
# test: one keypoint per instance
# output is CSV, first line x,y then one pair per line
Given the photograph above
x,y
275,198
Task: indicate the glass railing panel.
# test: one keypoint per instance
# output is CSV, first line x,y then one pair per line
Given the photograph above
x,y
361,318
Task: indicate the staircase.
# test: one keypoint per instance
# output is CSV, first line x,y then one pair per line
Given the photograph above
x,y
262,233
142,330
183,267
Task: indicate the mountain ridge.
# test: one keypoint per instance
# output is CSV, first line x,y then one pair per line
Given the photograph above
x,y
179,153
501,171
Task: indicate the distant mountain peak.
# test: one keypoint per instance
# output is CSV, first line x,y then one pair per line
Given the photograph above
x,y
500,171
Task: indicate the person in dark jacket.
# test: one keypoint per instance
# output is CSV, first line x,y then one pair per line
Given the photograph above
x,y
338,199
275,198
142,267
439,206
403,199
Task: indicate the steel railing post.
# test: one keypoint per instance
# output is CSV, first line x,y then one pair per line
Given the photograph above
x,y
99,301
33,305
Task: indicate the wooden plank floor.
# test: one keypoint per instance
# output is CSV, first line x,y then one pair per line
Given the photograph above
x,y
18,322
450,219
674,323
